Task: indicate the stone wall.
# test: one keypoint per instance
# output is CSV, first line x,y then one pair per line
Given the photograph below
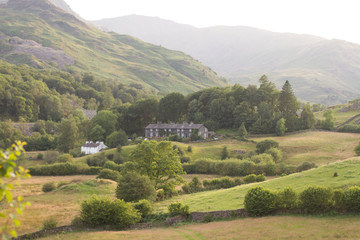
x,y
198,216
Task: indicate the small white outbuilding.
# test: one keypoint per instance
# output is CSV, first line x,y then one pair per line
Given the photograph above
x,y
92,147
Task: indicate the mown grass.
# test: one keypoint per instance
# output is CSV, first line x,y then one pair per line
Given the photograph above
x,y
226,199
278,227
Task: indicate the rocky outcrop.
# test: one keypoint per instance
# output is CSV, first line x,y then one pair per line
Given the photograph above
x,y
47,54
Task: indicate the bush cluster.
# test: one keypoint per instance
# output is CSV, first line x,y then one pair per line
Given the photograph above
x,y
176,209
133,187
104,211
144,207
48,187
109,174
236,167
313,200
251,178
96,160
64,169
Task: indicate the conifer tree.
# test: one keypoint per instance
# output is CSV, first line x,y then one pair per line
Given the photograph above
x,y
288,106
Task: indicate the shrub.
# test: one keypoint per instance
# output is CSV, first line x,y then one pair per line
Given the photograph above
x,y
186,188
237,181
339,199
184,159
109,174
286,199
195,185
50,223
64,158
305,166
224,153
316,199
260,178
175,138
357,150
189,149
144,207
207,218
97,160
40,156
103,211
335,174
275,153
77,221
226,182
263,146
352,199
259,201
249,178
134,187
176,209
48,187
50,157
113,166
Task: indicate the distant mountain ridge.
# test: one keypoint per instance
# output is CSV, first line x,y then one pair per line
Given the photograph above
x,y
320,70
38,33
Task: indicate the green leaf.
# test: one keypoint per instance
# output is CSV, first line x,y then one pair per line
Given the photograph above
x,y
13,233
17,223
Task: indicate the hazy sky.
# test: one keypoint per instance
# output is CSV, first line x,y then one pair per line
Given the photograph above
x,y
327,18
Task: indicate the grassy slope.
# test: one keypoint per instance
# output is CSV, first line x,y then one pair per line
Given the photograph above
x,y
313,146
63,204
233,198
285,227
107,55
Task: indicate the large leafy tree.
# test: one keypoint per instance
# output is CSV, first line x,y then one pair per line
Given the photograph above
x,y
172,107
68,134
307,117
107,120
288,105
157,160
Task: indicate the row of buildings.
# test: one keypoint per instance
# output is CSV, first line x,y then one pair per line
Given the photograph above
x,y
154,130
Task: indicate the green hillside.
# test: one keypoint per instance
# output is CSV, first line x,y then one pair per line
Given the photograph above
x,y
78,47
233,198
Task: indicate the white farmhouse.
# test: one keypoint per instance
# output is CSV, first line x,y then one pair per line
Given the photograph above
x,y
92,147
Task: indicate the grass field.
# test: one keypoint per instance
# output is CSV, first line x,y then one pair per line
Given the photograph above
x,y
233,198
62,204
314,146
279,227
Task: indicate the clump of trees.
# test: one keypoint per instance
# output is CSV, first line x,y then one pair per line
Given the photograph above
x,y
260,201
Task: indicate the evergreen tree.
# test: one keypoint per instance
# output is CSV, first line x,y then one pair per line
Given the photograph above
x,y
288,106
224,153
242,131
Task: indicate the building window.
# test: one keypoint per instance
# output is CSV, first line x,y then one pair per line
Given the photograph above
x,y
157,129
178,130
151,130
189,130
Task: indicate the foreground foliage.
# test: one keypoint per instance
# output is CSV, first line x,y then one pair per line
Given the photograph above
x,y
9,174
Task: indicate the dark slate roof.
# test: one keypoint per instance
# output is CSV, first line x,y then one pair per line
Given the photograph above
x,y
184,125
91,145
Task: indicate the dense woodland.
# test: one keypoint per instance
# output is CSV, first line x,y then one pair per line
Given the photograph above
x,y
53,101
